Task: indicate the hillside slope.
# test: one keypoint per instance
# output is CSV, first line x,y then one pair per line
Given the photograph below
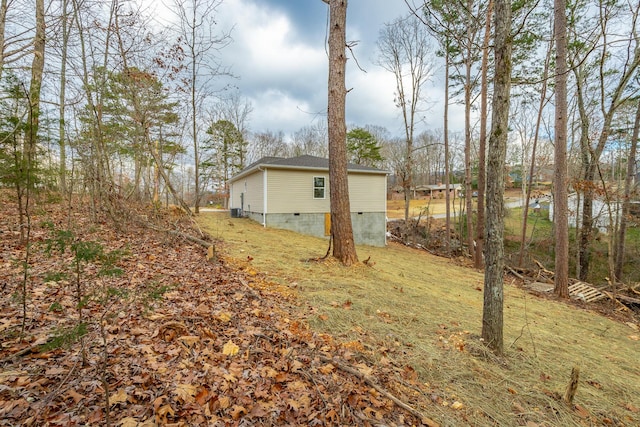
x,y
422,313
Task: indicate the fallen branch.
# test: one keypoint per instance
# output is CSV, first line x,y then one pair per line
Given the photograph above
x,y
23,352
544,270
616,299
371,381
515,273
177,233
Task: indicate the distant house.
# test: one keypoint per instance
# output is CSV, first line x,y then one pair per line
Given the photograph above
x,y
293,194
602,212
436,191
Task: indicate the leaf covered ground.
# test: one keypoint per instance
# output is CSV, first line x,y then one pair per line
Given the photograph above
x,y
423,313
166,336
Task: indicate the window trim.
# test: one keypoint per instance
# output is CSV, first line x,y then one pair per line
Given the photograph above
x,y
323,187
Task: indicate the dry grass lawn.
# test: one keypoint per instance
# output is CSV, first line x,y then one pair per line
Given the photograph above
x,y
395,208
424,312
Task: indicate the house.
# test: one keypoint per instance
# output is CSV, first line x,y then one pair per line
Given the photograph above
x,y
602,212
293,194
438,191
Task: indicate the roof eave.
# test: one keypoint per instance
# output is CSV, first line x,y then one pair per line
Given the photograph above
x,y
263,166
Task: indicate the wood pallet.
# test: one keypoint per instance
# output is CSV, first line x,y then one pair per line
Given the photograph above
x,y
578,290
584,292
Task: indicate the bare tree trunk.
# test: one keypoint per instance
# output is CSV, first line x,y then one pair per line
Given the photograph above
x,y
492,315
447,177
483,138
35,86
62,170
341,228
3,23
629,184
167,181
194,123
560,201
98,167
532,167
468,190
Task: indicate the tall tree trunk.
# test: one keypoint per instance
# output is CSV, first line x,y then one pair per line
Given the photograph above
x,y
560,200
483,138
492,315
468,189
610,99
62,170
194,120
586,234
35,86
629,184
97,167
341,228
3,23
447,174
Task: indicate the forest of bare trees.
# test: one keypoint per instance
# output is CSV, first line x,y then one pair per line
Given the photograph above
x,y
99,98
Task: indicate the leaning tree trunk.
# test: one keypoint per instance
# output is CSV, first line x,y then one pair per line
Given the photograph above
x,y
492,315
341,228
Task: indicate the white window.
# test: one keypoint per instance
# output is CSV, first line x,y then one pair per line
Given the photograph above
x,y
318,187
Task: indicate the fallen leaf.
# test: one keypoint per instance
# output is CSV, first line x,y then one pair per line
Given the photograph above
x,y
581,411
128,422
10,376
119,396
77,397
364,369
237,411
517,408
631,407
224,402
327,369
594,384
372,413
165,411
634,337
55,371
189,339
186,392
258,411
230,349
457,405
202,396
224,316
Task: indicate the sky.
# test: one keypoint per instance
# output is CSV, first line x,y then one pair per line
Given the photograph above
x,y
279,57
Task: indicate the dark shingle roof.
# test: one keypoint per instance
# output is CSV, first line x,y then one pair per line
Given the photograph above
x,y
302,162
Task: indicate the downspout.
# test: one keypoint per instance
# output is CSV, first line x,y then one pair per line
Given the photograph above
x,y
264,196
386,178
